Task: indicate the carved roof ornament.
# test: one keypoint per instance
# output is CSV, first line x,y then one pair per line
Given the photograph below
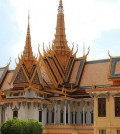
x,y
87,52
109,54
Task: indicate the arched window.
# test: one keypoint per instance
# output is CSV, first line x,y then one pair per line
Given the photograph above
x,y
101,107
47,116
72,117
61,116
67,116
53,116
82,117
92,118
15,113
40,116
75,117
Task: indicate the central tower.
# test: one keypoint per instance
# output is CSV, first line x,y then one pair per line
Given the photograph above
x,y
60,46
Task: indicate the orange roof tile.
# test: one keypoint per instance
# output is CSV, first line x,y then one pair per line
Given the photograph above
x,y
95,74
74,72
6,84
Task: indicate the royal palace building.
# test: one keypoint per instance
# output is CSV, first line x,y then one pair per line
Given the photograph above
x,y
69,95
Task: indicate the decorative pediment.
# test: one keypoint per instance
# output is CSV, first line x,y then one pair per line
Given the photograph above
x,y
103,95
116,95
29,72
20,77
36,79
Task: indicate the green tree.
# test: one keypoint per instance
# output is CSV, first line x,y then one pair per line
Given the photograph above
x,y
19,126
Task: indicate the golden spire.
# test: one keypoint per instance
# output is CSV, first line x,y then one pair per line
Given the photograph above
x,y
27,53
60,46
60,42
60,3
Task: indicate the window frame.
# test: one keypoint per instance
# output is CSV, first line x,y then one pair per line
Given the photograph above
x,y
115,106
101,102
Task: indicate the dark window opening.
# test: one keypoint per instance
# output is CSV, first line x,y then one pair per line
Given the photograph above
x,y
75,117
47,116
67,116
61,117
52,116
117,106
72,117
92,118
101,131
15,114
40,116
82,117
118,131
101,107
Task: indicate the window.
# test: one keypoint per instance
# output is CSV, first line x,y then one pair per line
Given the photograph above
x,y
117,106
47,116
61,116
15,114
40,116
67,116
72,117
75,117
92,117
118,131
82,117
102,131
53,116
101,107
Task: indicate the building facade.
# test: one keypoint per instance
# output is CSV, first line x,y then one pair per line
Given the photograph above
x,y
69,95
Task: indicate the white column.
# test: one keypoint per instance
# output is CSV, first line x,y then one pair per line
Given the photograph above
x,y
83,113
74,117
58,114
49,116
65,113
44,116
68,113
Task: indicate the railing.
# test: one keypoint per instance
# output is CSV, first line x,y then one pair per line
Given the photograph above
x,y
69,126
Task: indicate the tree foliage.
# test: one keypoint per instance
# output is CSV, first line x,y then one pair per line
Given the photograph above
x,y
19,126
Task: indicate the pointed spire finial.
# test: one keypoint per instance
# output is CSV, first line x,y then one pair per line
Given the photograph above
x,y
60,8
27,53
60,3
28,29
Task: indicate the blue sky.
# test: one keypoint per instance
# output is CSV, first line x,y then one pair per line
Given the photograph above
x,y
96,23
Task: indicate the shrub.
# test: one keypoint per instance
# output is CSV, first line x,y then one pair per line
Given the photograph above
x,y
19,126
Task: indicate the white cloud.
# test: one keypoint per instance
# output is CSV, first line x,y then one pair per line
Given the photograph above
x,y
85,20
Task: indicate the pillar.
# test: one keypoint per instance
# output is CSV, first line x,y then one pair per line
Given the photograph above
x,y
83,113
68,113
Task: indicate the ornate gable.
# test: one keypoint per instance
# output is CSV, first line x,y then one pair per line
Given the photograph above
x,y
26,72
29,72
20,77
36,79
